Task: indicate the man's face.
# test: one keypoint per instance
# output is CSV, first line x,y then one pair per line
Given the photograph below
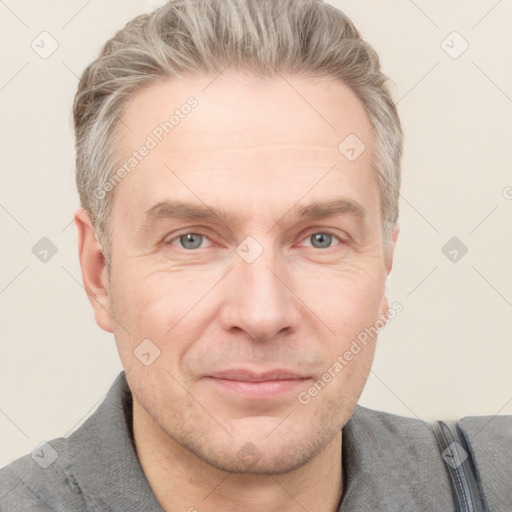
x,y
260,290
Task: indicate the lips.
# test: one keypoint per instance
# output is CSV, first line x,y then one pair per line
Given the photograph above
x,y
257,385
249,376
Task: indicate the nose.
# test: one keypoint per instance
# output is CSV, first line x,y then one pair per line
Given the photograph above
x,y
260,298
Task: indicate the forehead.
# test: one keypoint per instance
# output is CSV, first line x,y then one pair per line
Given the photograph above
x,y
287,109
255,139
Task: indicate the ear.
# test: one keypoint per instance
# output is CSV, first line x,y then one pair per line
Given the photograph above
x,y
391,248
94,270
384,307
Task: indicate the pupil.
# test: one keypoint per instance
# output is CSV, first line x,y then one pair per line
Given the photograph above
x,y
191,241
323,240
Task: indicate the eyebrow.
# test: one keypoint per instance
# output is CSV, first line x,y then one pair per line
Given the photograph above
x,y
310,211
340,206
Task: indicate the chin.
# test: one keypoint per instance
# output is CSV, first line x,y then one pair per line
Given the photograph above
x,y
265,445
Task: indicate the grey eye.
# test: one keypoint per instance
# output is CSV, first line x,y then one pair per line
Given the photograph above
x,y
321,240
191,240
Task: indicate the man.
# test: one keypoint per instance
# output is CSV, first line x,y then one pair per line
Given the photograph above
x,y
238,164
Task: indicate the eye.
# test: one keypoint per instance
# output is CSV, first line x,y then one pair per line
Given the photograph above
x,y
189,240
323,239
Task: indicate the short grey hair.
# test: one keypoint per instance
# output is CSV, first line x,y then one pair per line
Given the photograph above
x,y
264,37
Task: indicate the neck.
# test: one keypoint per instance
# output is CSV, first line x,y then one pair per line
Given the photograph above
x,y
182,481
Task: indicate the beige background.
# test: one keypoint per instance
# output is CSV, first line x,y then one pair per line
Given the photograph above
x,y
446,355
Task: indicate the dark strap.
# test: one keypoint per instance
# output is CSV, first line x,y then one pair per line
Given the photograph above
x,y
467,493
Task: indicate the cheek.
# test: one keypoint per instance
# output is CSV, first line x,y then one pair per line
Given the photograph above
x,y
160,307
138,307
150,300
349,304
347,301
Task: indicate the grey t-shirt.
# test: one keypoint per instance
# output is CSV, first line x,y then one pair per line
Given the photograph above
x,y
390,463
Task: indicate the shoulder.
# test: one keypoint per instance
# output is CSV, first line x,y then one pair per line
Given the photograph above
x,y
392,463
408,449
39,481
489,435
495,428
388,427
390,442
489,440
82,470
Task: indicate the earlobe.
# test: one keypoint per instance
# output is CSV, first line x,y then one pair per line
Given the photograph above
x,y
384,309
94,271
391,248
384,306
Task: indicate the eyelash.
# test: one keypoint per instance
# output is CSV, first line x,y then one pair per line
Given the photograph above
x,y
310,233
